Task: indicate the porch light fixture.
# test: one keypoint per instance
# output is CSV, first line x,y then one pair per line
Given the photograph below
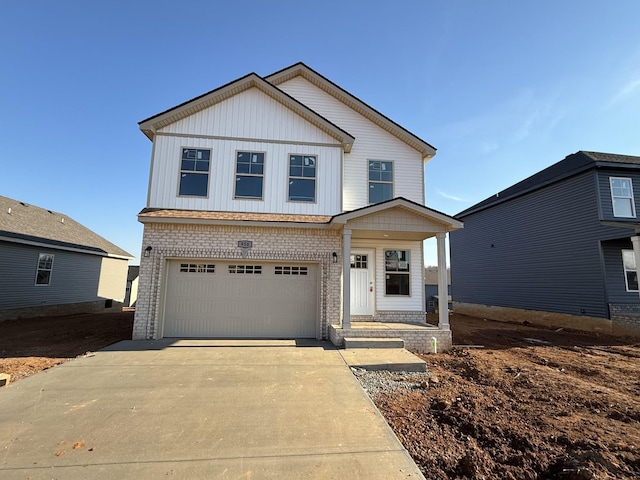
x,y
147,251
334,257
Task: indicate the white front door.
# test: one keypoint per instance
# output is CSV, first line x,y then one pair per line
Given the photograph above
x,y
362,282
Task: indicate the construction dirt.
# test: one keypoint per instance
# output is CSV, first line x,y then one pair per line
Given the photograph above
x,y
513,401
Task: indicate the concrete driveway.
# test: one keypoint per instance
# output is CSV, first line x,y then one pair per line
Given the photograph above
x,y
198,409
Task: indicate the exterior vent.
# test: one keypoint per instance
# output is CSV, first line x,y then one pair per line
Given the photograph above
x,y
62,220
9,211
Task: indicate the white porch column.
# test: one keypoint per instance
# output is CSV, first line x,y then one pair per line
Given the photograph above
x,y
635,240
443,294
346,278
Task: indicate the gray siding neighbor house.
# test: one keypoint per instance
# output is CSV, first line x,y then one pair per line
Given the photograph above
x,y
558,248
52,265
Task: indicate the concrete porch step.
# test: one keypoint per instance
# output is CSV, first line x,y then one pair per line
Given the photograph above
x,y
366,342
390,359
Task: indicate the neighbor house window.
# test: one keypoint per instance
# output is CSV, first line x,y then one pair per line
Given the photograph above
x,y
45,266
302,178
622,197
396,270
630,274
380,181
194,172
249,174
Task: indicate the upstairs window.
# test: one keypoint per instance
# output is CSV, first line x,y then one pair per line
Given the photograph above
x,y
630,273
622,197
380,181
302,178
45,267
249,174
194,172
396,270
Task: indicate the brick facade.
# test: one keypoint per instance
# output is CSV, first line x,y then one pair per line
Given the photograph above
x,y
625,318
417,339
392,317
169,241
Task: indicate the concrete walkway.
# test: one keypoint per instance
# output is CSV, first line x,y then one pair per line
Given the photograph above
x,y
198,409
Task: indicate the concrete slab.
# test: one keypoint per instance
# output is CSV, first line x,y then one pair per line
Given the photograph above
x,y
198,409
391,359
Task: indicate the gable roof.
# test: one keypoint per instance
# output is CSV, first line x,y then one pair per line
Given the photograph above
x,y
300,69
448,222
570,166
24,223
151,125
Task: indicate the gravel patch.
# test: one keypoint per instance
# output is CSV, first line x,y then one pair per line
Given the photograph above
x,y
376,382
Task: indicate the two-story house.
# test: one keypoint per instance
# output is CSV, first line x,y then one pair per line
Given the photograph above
x,y
558,248
284,207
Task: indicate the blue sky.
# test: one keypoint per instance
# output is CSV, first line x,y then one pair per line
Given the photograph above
x,y
502,89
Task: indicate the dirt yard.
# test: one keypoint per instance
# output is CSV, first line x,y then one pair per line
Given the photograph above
x,y
533,403
32,345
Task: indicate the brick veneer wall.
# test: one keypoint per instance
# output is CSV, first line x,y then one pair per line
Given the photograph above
x,y
625,318
221,242
392,317
418,340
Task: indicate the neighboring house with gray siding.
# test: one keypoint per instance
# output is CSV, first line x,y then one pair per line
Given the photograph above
x,y
558,248
52,265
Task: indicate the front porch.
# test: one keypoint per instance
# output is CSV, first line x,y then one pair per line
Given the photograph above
x,y
418,337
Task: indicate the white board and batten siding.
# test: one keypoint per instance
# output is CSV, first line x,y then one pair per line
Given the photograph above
x,y
372,143
250,121
396,303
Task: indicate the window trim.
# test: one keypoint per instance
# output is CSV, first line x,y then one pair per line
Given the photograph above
x,y
369,181
394,272
625,270
235,175
50,269
315,178
208,172
613,197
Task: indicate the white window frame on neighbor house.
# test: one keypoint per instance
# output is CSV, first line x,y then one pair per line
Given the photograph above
x,y
629,264
255,171
45,266
194,171
292,178
386,167
622,196
397,270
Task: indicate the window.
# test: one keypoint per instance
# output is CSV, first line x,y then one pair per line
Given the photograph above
x,y
396,268
622,197
246,269
197,268
249,174
45,266
290,270
630,274
380,181
302,178
194,172
358,261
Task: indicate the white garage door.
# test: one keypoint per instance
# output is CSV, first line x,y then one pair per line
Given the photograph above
x,y
243,299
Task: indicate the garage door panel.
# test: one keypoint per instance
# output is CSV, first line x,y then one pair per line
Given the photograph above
x,y
233,300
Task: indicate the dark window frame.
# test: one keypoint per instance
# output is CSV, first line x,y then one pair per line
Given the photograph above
x,y
191,172
397,272
380,175
255,170
301,174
